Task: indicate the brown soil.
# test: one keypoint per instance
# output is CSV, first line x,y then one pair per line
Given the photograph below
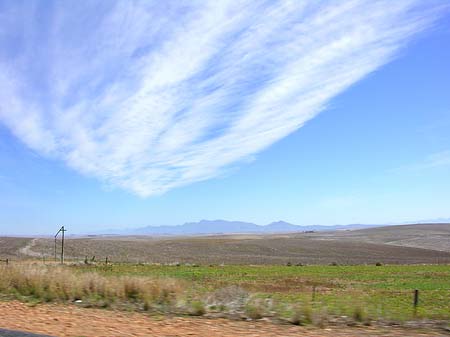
x,y
315,248
68,320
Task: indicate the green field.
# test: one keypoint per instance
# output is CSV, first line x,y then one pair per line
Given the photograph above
x,y
373,291
301,294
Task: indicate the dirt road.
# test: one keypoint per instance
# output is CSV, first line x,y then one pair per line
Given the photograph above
x,y
68,320
28,249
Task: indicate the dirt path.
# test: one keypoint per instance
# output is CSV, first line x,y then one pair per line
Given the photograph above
x,y
60,320
27,250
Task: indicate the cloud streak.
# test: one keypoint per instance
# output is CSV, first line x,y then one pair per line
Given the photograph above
x,y
437,160
150,96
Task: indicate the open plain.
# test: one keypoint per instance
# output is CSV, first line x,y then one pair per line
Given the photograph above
x,y
407,244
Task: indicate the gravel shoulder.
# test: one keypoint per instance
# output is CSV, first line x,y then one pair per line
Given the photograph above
x,y
69,320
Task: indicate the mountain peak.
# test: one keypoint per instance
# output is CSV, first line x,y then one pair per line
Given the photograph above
x,y
280,222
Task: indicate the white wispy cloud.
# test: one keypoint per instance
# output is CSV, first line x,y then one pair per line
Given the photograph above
x,y
437,160
149,96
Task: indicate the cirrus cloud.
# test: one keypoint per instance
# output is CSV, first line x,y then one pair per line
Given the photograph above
x,y
150,96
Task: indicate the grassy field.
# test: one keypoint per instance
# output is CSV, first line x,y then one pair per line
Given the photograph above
x,y
379,291
345,293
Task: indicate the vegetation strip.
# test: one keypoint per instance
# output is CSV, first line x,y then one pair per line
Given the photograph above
x,y
318,295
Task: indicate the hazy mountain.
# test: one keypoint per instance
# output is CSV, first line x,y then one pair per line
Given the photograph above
x,y
202,227
229,227
281,226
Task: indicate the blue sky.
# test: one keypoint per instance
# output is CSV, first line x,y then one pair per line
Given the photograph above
x,y
126,114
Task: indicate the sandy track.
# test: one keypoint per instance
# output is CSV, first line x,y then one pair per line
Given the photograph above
x,y
28,249
59,320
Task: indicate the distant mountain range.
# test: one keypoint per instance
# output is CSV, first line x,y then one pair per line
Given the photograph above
x,y
206,227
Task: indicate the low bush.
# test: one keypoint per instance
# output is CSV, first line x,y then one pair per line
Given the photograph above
x,y
257,307
197,308
253,311
359,314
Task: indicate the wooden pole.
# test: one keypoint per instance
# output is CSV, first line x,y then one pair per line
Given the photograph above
x,y
416,301
62,245
55,247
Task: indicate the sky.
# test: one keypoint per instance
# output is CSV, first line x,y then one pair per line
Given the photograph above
x,y
122,114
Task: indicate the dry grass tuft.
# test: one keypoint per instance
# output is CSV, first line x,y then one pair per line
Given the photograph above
x,y
257,308
56,283
301,315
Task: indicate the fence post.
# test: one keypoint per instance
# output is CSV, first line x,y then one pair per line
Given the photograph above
x,y
416,301
7,261
314,293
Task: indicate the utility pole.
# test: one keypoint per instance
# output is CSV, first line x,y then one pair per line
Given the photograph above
x,y
62,245
61,230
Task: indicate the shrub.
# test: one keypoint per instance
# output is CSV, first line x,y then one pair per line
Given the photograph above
x,y
197,308
253,311
301,315
296,318
255,308
359,314
147,306
307,314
